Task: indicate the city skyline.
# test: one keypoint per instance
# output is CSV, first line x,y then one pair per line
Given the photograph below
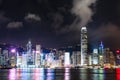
x,y
54,23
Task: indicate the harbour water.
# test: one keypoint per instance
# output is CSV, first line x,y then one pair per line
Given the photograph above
x,y
59,74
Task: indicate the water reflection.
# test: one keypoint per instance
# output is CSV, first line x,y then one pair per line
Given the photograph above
x,y
83,74
118,74
59,74
98,74
24,74
12,74
67,74
50,74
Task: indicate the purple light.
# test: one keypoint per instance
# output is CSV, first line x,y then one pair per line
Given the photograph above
x,y
13,50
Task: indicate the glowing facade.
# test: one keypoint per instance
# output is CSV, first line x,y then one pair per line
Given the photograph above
x,y
67,59
37,55
75,58
95,56
12,56
30,58
84,55
101,55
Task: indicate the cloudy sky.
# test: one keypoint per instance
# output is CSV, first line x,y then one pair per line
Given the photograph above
x,y
57,23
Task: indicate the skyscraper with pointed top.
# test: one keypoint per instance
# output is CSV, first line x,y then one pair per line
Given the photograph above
x,y
101,55
84,46
30,58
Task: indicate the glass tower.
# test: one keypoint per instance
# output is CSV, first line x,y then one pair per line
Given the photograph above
x,y
29,53
84,55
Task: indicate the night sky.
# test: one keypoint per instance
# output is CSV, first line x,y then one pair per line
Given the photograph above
x,y
57,23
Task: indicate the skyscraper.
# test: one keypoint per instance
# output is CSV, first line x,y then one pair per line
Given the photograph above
x,y
84,55
37,56
29,53
95,57
101,55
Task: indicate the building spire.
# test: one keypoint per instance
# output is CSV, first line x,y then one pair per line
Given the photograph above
x,y
101,45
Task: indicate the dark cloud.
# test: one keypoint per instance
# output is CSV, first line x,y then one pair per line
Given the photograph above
x,y
3,19
108,33
58,20
14,25
1,1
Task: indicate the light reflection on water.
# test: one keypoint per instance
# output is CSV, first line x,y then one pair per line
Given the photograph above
x,y
12,74
67,74
59,74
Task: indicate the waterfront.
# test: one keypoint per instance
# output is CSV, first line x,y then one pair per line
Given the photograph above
x,y
59,74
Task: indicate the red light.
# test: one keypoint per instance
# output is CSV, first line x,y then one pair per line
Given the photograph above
x,y
117,51
117,74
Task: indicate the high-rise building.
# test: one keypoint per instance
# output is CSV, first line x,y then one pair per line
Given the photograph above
x,y
24,60
75,58
19,60
67,59
109,59
30,58
6,57
101,55
112,59
117,55
95,57
37,56
84,54
1,56
12,56
106,55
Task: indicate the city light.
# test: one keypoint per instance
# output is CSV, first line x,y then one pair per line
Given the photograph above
x,y
118,51
13,50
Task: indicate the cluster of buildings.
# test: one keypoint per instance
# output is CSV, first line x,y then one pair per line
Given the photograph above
x,y
36,57
33,57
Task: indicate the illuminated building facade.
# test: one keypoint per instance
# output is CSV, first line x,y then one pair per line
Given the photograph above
x,y
109,59
117,56
42,59
24,60
90,59
101,54
1,56
13,57
67,59
112,59
106,55
75,58
30,57
6,57
19,60
84,55
37,56
95,57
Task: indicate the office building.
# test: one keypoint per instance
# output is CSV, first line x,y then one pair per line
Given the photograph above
x,y
75,58
37,56
95,57
84,50
101,54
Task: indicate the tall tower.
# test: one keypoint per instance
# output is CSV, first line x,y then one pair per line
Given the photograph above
x,y
29,47
84,50
29,53
101,55
37,56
